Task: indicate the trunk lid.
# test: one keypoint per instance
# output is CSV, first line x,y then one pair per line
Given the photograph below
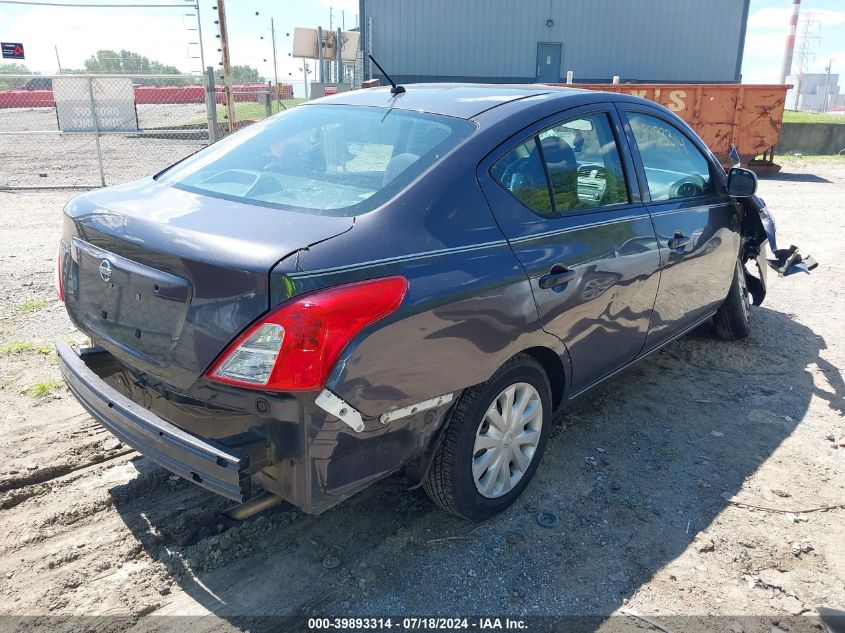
x,y
165,279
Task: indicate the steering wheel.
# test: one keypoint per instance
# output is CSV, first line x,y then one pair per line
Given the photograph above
x,y
687,188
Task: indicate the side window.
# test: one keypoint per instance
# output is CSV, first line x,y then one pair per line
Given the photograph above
x,y
521,172
674,167
584,164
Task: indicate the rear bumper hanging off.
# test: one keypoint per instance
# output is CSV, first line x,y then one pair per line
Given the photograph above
x,y
205,462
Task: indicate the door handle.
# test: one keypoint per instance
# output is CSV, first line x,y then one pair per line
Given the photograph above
x,y
558,276
677,241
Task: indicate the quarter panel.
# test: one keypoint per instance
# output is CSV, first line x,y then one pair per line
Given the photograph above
x,y
466,313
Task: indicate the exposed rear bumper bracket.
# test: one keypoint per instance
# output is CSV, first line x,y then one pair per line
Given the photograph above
x,y
205,462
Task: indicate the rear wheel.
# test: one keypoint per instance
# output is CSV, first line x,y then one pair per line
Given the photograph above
x,y
733,319
493,443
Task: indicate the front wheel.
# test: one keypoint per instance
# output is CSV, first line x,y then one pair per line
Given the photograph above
x,y
493,442
733,318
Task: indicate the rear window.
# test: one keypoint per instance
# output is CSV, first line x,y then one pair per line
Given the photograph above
x,y
323,159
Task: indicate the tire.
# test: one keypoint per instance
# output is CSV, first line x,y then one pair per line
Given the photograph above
x,y
459,470
733,318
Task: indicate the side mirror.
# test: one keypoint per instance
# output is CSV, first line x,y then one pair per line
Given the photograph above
x,y
742,183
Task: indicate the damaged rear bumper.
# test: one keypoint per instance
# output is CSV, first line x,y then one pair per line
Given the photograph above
x,y
209,464
231,440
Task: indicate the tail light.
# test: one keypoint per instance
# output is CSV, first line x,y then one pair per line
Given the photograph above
x,y
295,347
57,275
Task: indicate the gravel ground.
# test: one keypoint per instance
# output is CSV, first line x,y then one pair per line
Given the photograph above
x,y
645,476
150,115
42,158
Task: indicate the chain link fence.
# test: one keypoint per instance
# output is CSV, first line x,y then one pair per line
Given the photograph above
x,y
93,130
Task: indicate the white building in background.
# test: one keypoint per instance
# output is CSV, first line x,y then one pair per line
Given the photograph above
x,y
818,92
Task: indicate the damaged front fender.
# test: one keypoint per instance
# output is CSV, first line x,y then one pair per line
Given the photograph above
x,y
758,230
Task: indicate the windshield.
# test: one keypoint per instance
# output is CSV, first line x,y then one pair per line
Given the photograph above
x,y
324,159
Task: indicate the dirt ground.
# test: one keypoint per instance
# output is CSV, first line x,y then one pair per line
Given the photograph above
x,y
644,476
38,157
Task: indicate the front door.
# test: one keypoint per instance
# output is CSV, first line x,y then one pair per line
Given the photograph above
x,y
695,220
585,240
549,56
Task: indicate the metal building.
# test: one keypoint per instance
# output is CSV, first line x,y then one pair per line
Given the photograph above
x,y
519,41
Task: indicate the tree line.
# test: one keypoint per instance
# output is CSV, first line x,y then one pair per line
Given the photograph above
x,y
129,63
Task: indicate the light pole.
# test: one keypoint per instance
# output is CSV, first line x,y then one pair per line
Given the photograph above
x,y
826,86
199,36
305,71
275,66
227,68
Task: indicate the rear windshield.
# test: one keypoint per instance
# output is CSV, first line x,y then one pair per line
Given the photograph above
x,y
323,159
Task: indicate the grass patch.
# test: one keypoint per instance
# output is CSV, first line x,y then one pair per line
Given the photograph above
x,y
668,450
791,116
791,159
31,305
13,348
247,111
632,502
44,388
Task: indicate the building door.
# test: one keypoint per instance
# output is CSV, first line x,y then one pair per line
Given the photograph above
x,y
549,56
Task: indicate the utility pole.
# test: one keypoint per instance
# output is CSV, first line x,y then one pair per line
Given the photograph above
x,y
331,30
305,71
275,66
199,36
804,54
826,86
227,67
322,67
58,61
338,45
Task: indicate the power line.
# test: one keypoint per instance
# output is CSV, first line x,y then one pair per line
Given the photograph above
x,y
98,6
103,5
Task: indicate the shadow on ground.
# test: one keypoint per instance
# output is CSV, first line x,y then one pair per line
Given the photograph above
x,y
792,177
634,472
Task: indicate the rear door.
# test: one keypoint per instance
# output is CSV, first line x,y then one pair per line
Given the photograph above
x,y
695,220
560,194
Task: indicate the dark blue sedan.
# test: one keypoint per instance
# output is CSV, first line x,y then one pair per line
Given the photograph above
x,y
376,282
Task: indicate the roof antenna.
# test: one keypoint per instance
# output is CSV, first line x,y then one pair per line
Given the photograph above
x,y
395,90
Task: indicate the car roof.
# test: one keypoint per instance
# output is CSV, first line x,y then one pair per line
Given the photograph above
x,y
464,101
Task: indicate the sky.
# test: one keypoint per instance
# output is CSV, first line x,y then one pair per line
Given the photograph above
x,y
767,26
166,35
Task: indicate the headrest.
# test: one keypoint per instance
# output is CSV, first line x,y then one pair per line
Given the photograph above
x,y
556,150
